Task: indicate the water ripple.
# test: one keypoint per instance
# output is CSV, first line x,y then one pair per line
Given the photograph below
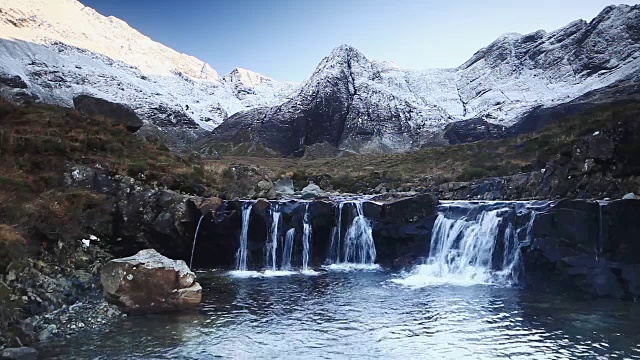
x,y
362,315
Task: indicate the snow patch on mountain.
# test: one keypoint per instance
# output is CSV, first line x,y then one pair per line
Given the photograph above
x,y
361,105
62,48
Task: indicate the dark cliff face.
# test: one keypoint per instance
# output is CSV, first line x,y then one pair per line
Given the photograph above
x,y
364,106
587,245
317,114
401,230
335,106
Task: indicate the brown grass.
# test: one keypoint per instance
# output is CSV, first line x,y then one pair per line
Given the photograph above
x,y
10,234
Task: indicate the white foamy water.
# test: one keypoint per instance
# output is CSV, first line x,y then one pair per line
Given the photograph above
x,y
474,244
348,267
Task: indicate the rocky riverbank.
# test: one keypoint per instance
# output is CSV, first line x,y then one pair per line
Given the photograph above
x,y
70,205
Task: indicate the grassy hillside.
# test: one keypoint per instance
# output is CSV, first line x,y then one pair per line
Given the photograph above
x,y
39,214
432,166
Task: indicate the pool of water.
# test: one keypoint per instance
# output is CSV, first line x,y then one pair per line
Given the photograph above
x,y
366,315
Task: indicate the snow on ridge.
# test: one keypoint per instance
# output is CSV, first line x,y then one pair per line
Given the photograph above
x,y
71,22
62,48
510,76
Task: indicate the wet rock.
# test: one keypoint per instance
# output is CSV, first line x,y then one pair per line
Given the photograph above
x,y
149,282
23,353
204,205
588,245
138,215
120,113
630,196
402,229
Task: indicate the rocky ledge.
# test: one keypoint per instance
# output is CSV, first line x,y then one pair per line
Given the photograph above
x,y
589,245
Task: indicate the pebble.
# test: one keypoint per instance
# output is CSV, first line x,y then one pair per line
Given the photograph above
x,y
62,323
23,353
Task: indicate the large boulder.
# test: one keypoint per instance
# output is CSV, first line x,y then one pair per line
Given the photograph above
x,y
121,113
149,283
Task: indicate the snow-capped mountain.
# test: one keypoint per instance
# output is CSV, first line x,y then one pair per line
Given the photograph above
x,y
61,48
362,105
54,50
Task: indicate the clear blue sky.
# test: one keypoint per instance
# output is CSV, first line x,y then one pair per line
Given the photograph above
x,y
286,39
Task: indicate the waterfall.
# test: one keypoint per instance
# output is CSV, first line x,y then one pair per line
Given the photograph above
x,y
272,245
465,241
306,238
288,249
359,247
241,255
600,244
195,237
334,249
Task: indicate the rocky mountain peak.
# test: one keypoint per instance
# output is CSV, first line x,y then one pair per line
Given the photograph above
x,y
345,50
344,57
245,77
360,105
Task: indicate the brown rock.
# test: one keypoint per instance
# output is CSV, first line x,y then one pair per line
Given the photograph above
x,y
149,282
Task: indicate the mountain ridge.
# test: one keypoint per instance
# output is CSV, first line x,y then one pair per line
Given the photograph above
x,y
351,102
61,48
379,108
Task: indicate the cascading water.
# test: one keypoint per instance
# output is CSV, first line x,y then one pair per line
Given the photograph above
x,y
359,247
272,245
334,249
306,238
357,251
241,255
466,240
195,238
288,249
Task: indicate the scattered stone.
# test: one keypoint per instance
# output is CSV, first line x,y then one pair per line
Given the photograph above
x,y
312,188
149,282
284,186
630,196
264,189
264,185
23,353
381,189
